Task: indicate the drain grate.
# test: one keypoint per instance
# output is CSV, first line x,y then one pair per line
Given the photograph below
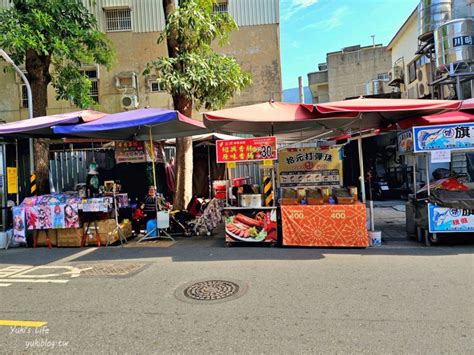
x,y
211,291
102,269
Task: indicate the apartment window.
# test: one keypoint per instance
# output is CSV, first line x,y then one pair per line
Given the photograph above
x,y
94,78
117,20
383,76
155,86
221,7
24,96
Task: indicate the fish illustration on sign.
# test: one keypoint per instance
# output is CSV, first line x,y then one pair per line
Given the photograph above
x,y
427,139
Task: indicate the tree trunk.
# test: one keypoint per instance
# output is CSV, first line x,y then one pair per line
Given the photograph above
x,y
37,67
184,146
184,158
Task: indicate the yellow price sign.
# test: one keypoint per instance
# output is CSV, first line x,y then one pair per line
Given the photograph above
x,y
268,163
231,165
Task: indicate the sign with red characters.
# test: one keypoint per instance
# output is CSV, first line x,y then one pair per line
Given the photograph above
x,y
246,149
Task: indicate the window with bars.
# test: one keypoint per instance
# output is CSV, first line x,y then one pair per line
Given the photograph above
x,y
94,78
383,76
221,7
117,20
24,96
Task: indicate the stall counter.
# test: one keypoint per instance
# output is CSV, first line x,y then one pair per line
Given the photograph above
x,y
324,225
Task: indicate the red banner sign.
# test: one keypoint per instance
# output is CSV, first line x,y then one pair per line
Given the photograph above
x,y
246,149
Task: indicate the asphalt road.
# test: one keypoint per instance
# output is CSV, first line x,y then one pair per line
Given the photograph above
x,y
401,299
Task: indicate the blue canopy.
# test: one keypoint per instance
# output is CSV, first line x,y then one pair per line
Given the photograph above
x,y
136,124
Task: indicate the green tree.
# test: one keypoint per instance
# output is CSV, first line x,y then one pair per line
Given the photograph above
x,y
193,73
53,39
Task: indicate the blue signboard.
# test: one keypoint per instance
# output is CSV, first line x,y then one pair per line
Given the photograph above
x,y
453,136
450,220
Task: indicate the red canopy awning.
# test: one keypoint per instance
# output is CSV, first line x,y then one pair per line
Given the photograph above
x,y
467,105
298,121
439,119
387,105
287,120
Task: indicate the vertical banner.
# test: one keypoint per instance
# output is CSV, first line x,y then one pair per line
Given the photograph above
x,y
12,180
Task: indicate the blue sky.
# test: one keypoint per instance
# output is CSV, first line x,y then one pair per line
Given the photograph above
x,y
312,28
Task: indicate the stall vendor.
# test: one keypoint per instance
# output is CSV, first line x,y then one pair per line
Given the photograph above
x,y
149,204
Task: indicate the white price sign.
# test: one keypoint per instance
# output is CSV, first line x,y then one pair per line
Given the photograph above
x,y
441,156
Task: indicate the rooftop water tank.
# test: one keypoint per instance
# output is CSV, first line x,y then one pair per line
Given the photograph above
x,y
432,13
454,42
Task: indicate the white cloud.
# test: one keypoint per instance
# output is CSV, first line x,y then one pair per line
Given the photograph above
x,y
333,21
289,9
304,3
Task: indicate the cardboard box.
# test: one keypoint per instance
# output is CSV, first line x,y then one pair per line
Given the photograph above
x,y
70,237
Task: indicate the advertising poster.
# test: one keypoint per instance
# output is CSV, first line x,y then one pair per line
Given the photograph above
x,y
19,225
138,152
310,167
251,149
450,220
405,141
454,136
253,225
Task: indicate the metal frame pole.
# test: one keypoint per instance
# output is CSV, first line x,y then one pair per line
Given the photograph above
x,y
427,174
30,103
361,167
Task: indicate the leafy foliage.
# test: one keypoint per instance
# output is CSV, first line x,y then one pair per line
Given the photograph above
x,y
196,72
62,30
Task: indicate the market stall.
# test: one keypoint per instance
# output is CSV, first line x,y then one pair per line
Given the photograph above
x,y
316,209
446,204
92,201
250,214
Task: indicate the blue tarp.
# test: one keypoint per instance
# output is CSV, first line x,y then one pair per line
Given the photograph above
x,y
136,124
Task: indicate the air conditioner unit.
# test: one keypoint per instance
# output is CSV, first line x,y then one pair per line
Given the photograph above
x,y
423,78
413,91
129,102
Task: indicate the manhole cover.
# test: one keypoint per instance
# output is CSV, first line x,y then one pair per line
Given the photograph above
x,y
102,269
212,291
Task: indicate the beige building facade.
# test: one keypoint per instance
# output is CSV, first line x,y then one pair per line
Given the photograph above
x,y
134,26
351,72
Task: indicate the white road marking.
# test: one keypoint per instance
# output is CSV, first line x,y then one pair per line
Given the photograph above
x,y
74,256
35,281
4,285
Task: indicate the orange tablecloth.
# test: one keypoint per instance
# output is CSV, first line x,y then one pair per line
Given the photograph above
x,y
325,225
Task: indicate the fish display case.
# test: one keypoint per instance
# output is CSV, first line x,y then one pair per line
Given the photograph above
x,y
257,225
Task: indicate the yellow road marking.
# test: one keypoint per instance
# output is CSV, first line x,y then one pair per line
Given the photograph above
x,y
21,323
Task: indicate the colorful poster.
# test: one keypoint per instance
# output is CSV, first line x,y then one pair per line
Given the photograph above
x,y
138,152
250,225
12,180
454,136
242,150
325,226
71,216
450,220
19,225
405,141
310,167
58,216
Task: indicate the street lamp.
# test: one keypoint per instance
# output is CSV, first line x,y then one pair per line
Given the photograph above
x,y
30,102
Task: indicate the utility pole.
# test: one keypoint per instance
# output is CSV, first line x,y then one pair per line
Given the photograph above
x,y
30,110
